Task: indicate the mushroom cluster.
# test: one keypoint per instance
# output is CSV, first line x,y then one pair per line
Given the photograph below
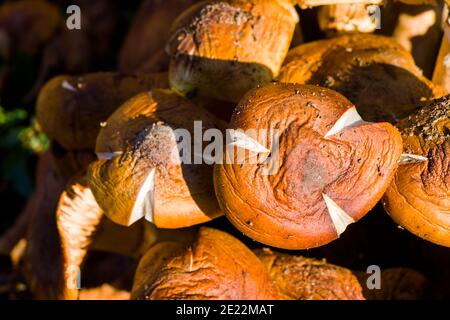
x,y
222,133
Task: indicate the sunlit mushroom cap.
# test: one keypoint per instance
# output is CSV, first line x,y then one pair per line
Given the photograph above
x,y
326,167
301,278
216,266
374,72
71,110
140,172
222,49
419,197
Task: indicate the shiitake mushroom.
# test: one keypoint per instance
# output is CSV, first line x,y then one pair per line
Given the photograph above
x,y
71,109
419,197
221,49
140,172
213,266
328,169
301,278
374,72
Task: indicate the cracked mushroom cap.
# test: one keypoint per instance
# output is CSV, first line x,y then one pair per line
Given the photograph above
x,y
419,197
374,72
221,49
216,266
319,168
71,109
140,172
301,278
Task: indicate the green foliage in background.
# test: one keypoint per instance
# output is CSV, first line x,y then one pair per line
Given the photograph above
x,y
19,140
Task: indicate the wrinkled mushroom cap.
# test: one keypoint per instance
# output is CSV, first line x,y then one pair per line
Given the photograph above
x,y
71,110
301,278
374,72
329,169
141,173
222,49
419,197
214,267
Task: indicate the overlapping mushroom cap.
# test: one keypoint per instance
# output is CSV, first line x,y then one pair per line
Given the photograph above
x,y
327,170
221,49
419,197
70,109
215,266
303,278
140,171
375,73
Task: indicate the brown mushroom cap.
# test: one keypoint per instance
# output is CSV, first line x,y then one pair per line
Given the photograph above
x,y
222,49
330,170
303,278
141,173
83,228
216,266
419,197
374,72
70,109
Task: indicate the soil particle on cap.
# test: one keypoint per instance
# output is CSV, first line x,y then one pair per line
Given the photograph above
x,y
424,123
